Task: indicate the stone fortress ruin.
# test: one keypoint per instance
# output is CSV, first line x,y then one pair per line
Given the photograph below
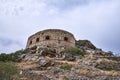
x,y
54,38
46,58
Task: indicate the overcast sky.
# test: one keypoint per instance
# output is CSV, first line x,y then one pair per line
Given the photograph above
x,y
95,20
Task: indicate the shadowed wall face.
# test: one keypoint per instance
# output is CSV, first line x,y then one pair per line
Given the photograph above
x,y
51,38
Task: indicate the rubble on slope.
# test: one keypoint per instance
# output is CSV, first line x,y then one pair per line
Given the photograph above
x,y
44,64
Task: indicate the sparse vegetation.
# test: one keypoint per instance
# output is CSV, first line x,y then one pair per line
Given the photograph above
x,y
8,57
22,51
66,67
74,51
12,56
8,71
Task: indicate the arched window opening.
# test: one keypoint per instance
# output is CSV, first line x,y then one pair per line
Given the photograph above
x,y
30,42
47,37
37,39
58,41
65,38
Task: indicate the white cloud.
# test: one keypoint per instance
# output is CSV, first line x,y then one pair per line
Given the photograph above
x,y
95,20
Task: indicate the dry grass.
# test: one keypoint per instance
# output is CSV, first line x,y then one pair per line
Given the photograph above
x,y
26,65
83,72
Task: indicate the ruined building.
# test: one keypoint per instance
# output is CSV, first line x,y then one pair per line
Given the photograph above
x,y
54,38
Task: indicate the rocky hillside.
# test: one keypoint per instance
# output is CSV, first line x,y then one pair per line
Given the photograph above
x,y
85,62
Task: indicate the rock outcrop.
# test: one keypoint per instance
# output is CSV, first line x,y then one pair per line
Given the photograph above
x,y
84,44
47,64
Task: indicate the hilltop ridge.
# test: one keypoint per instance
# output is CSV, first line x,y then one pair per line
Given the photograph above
x,y
84,61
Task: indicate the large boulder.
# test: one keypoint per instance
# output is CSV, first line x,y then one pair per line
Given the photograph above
x,y
27,57
84,44
69,57
44,63
47,52
34,58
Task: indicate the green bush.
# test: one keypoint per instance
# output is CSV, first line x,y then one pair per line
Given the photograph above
x,y
8,57
12,56
25,51
74,51
8,71
22,51
66,67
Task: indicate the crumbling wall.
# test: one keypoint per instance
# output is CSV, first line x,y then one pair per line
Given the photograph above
x,y
51,38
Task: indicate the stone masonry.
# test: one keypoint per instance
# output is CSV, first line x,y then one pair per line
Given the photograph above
x,y
51,38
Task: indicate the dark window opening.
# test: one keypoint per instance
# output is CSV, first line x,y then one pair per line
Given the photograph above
x,y
30,42
47,37
65,38
42,33
37,39
58,41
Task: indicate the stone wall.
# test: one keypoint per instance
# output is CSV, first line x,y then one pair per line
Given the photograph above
x,y
51,38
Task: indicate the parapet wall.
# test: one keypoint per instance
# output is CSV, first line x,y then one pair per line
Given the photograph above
x,y
51,38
